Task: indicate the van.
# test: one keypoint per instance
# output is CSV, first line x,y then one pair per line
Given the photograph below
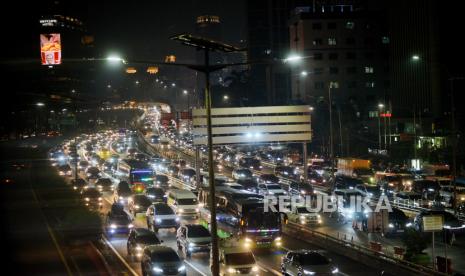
x,y
183,202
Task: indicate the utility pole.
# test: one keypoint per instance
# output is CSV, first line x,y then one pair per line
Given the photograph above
x,y
331,147
454,141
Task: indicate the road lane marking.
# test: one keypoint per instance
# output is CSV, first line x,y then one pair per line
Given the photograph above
x,y
272,270
52,235
195,268
120,257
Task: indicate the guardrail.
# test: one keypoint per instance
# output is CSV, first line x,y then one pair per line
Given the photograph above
x,y
384,259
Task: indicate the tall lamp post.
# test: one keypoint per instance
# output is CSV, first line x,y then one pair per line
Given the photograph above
x,y
207,46
380,109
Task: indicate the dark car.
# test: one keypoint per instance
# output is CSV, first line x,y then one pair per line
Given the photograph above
x,y
161,260
187,175
267,178
285,171
250,163
92,198
242,173
138,239
104,184
248,184
429,189
155,194
78,184
346,182
122,192
300,188
93,173
139,204
173,170
398,222
117,220
65,170
161,181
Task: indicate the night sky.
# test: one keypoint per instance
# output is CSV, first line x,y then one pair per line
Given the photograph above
x,y
135,29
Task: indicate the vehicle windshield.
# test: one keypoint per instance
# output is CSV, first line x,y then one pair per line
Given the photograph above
x,y
91,193
273,187
161,178
198,231
163,209
313,259
246,173
363,172
155,192
303,210
165,257
263,220
245,258
187,201
142,199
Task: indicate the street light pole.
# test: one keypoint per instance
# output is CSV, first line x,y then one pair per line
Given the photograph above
x,y
331,148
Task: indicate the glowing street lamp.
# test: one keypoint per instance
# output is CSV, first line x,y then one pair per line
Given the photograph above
x,y
303,73
115,59
184,92
40,104
225,97
293,58
415,57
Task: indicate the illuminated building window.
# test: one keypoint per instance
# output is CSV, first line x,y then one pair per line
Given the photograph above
x,y
385,40
369,70
350,25
170,59
370,84
317,41
331,41
334,84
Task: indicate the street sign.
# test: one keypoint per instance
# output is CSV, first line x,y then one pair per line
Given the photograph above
x,y
433,223
246,125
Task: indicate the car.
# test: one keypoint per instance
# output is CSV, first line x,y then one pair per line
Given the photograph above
x,y
248,184
300,188
192,238
346,182
267,178
138,204
160,215
307,262
250,163
242,173
398,222
156,194
447,195
368,190
271,189
187,175
409,199
78,184
285,171
93,173
138,239
122,193
92,198
118,220
451,222
65,170
315,178
104,184
82,165
237,261
173,170
161,260
302,215
429,189
161,181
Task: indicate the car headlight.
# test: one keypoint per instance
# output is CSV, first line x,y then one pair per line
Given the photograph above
x,y
308,272
136,206
303,192
100,199
231,270
196,209
335,270
182,268
87,199
277,239
157,269
409,224
158,220
302,217
139,248
255,268
113,226
180,210
177,219
130,225
391,225
447,227
248,240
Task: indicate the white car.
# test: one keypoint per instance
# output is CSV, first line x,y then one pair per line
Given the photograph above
x,y
303,216
242,173
271,189
238,261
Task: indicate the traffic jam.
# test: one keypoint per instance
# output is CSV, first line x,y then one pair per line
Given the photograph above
x,y
154,200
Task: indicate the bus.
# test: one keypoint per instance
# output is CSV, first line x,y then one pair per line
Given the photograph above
x,y
140,175
241,214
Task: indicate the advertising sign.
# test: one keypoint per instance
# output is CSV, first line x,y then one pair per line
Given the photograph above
x,y
432,223
50,49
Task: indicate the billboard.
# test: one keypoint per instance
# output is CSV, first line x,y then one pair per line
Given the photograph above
x,y
245,125
50,49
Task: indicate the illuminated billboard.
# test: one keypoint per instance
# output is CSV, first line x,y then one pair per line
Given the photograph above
x,y
50,49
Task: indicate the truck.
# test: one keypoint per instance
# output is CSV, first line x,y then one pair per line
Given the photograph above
x,y
358,168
